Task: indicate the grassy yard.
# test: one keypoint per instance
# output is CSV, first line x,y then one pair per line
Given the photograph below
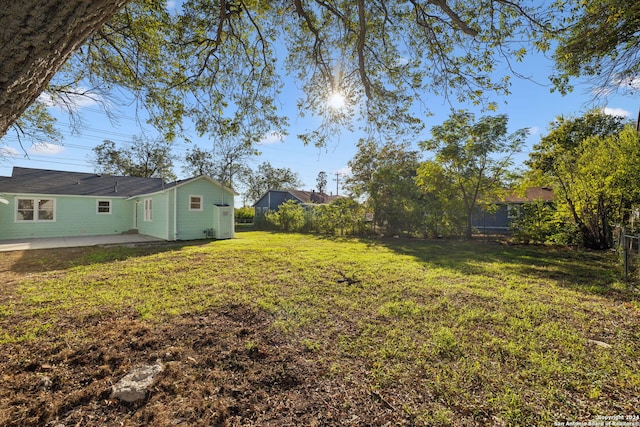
x,y
277,329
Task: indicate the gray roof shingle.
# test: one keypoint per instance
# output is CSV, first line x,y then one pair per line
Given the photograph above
x,y
42,181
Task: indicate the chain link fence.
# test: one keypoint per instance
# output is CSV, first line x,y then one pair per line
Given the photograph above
x,y
630,248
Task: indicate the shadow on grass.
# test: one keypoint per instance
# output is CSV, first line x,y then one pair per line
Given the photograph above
x,y
43,260
585,271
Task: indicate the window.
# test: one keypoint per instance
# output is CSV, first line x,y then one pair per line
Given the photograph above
x,y
104,207
195,203
148,208
36,210
25,210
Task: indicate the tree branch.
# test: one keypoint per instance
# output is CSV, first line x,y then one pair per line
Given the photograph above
x,y
362,33
442,4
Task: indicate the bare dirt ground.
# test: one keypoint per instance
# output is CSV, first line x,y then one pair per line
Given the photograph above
x,y
224,367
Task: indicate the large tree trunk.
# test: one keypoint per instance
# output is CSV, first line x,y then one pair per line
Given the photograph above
x,y
36,38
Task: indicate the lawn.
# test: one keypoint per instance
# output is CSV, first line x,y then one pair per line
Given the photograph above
x,y
289,329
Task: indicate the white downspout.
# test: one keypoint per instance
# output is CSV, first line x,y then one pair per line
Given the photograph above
x,y
175,214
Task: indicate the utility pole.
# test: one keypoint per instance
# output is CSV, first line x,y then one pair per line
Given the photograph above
x,y
337,180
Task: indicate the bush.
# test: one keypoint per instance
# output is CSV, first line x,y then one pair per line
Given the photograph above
x,y
342,217
539,222
288,217
244,214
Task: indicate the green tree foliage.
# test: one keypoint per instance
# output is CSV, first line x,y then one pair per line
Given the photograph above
x,y
289,216
602,43
348,215
35,126
145,158
384,176
444,211
342,216
199,162
266,178
474,158
536,223
589,161
214,63
321,182
226,162
244,214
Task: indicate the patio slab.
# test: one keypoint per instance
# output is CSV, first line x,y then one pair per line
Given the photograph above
x,y
71,242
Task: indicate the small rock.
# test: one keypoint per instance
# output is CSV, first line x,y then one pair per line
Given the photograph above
x,y
134,385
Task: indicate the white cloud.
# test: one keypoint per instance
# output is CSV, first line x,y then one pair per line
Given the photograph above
x,y
601,92
81,98
401,61
345,171
8,152
534,130
46,148
616,112
631,82
271,138
171,4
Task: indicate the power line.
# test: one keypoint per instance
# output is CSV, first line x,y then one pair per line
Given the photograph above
x,y
48,160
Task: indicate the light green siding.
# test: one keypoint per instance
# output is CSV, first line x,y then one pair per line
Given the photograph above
x,y
74,216
173,215
191,224
157,226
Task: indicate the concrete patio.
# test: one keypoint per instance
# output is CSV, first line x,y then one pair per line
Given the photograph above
x,y
70,242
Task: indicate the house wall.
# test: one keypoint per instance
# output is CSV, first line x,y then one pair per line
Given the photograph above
x,y
492,221
271,201
74,216
78,215
191,224
158,225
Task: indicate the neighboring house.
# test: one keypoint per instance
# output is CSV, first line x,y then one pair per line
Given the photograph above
x,y
48,203
272,199
509,208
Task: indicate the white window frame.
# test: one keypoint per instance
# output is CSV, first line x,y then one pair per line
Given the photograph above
x,y
36,211
195,196
110,207
148,210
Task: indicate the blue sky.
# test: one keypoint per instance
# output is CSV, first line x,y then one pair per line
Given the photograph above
x,y
530,105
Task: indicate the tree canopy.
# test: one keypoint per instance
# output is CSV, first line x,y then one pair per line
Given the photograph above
x,y
214,62
592,162
144,158
384,175
265,178
471,157
602,44
226,162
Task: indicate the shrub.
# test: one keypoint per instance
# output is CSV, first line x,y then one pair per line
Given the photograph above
x,y
244,214
288,217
